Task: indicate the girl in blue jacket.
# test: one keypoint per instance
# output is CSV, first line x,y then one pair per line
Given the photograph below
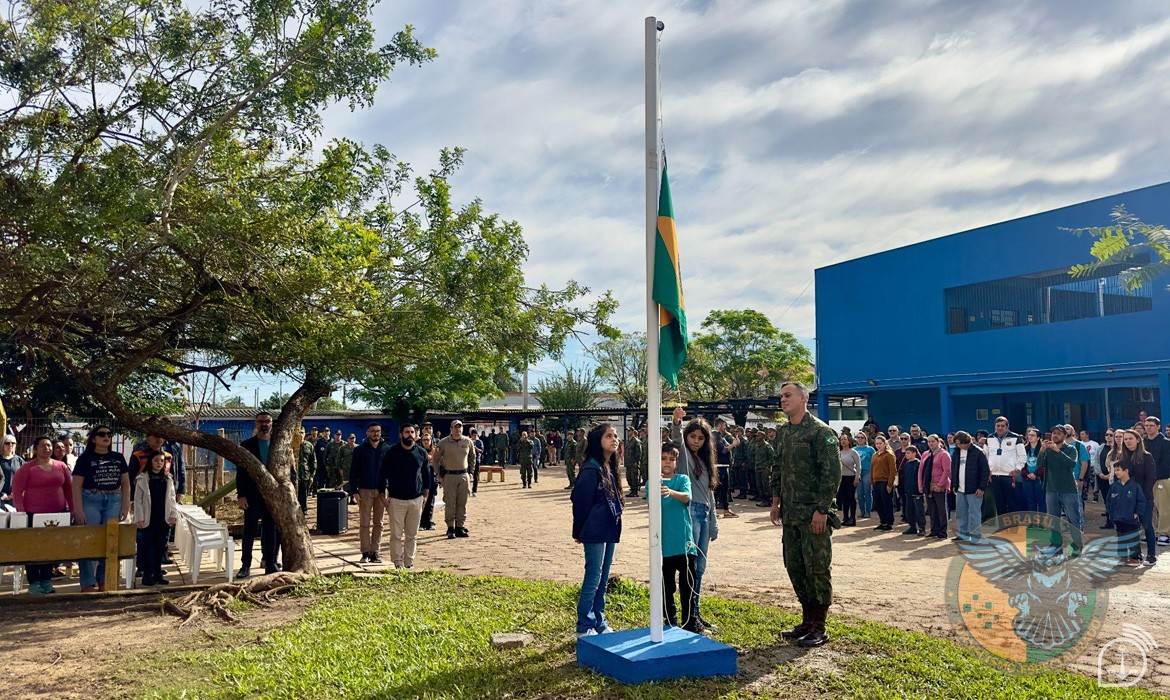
x,y
597,524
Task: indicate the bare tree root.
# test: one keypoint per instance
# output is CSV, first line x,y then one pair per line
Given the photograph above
x,y
218,599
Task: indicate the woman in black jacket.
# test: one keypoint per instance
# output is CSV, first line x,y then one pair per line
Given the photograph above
x,y
597,524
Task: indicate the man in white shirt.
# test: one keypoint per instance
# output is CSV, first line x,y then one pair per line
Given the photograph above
x,y
1006,456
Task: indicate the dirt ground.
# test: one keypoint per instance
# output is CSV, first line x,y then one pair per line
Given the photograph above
x,y
52,647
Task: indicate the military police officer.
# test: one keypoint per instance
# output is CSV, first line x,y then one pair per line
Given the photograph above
x,y
633,461
804,482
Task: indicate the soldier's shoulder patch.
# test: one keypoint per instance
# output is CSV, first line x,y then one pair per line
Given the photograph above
x,y
830,439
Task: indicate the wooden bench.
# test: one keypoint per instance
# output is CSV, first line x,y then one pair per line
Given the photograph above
x,y
490,471
49,545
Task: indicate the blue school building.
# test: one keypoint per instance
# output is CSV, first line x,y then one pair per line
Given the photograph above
x,y
953,332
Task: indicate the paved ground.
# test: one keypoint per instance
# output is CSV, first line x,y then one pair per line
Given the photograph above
x,y
883,577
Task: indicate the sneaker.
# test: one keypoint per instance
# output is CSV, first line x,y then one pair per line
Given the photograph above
x,y
1164,540
47,587
605,630
375,558
36,588
462,532
365,558
587,633
910,531
450,533
1150,561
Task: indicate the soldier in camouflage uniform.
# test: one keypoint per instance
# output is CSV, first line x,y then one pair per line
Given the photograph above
x,y
571,459
579,452
807,474
763,457
333,476
524,456
740,464
306,470
502,448
633,455
344,459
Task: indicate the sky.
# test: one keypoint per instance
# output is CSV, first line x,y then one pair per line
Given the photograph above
x,y
800,133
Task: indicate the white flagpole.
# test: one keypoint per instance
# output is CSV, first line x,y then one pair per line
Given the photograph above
x,y
653,448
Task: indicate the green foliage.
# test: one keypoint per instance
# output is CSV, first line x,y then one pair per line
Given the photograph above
x,y
1122,244
182,209
274,401
574,389
621,366
231,402
431,638
740,354
328,403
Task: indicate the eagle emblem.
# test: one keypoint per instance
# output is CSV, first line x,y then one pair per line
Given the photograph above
x,y
1050,587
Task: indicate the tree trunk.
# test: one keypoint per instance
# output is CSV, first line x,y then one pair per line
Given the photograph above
x,y
277,483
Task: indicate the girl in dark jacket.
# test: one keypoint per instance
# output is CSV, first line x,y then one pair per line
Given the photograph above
x,y
597,524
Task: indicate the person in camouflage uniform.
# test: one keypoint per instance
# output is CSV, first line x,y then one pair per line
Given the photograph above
x,y
333,476
343,460
633,457
578,455
524,455
306,470
804,483
763,457
502,448
571,459
740,464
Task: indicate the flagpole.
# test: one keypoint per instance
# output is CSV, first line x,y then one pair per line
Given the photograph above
x,y
653,386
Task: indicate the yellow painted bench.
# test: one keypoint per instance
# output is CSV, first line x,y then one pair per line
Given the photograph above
x,y
49,545
491,471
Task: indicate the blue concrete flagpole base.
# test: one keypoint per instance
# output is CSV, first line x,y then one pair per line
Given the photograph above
x,y
631,657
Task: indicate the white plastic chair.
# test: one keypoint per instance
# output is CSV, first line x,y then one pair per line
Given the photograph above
x,y
213,537
17,576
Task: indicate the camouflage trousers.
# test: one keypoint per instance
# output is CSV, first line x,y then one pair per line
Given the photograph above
x,y
809,561
634,476
763,485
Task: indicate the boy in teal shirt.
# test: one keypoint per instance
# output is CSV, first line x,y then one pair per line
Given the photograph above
x,y
678,545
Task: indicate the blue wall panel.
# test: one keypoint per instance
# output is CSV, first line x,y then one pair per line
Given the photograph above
x,y
912,280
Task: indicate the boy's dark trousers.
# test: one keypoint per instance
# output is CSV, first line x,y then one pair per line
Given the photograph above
x,y
682,566
883,502
915,513
1135,551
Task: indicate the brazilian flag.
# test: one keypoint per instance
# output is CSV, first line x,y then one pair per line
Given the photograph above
x,y
667,290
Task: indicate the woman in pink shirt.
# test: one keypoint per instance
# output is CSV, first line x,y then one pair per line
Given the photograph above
x,y
43,485
934,480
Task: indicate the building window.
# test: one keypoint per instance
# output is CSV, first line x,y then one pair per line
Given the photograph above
x,y
1052,296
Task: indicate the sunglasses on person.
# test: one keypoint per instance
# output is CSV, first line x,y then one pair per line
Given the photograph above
x,y
103,433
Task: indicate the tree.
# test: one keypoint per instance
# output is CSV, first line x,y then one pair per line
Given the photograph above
x,y
1126,243
198,220
740,354
621,367
507,380
328,403
574,389
274,401
231,402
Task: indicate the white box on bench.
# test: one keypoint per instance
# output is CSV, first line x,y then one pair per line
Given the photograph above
x,y
17,521
51,520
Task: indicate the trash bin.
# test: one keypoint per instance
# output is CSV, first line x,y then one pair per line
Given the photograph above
x,y
332,512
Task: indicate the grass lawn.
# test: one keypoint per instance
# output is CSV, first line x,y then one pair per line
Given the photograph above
x,y
426,635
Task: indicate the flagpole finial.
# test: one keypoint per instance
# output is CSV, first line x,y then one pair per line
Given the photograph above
x,y
660,26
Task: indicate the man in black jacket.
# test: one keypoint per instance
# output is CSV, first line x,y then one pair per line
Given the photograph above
x,y
1159,448
256,513
365,473
405,482
969,474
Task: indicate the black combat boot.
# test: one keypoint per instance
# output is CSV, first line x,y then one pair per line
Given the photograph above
x,y
803,628
817,634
